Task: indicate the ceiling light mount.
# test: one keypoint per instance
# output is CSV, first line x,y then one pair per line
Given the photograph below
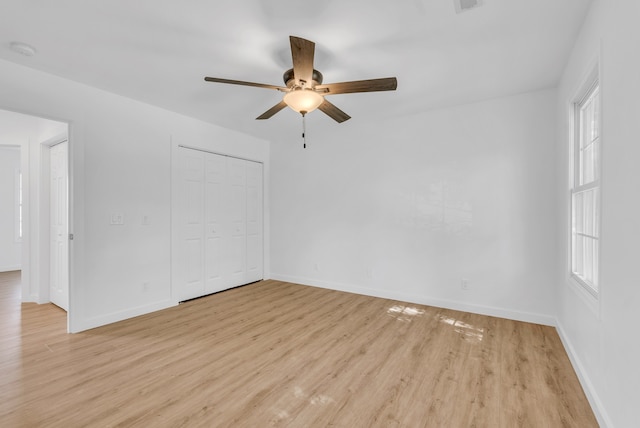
x,y
290,81
22,48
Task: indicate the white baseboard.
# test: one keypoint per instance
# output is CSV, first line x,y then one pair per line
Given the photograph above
x,y
594,400
423,300
99,321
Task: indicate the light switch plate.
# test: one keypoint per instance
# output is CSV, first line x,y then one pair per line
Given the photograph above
x,y
117,219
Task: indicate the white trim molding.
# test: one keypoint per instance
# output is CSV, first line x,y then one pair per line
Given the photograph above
x,y
590,391
423,300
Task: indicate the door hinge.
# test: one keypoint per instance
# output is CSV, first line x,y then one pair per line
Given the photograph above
x,y
71,237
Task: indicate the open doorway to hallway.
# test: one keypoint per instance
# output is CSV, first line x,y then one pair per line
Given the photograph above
x,y
34,188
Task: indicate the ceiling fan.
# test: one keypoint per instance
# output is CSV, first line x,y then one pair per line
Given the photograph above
x,y
304,91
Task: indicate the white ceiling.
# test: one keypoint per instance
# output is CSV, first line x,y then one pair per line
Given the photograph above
x,y
158,51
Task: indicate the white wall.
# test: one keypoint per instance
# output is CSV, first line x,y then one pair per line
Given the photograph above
x,y
120,153
10,245
601,336
362,208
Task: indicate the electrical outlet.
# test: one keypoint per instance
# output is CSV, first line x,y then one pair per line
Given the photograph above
x,y
464,283
145,286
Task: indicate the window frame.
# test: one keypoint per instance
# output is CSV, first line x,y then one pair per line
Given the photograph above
x,y
18,206
588,90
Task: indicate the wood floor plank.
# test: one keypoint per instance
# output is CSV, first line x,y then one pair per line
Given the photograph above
x,y
283,355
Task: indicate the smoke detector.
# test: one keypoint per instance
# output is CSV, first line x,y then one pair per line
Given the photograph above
x,y
464,5
22,48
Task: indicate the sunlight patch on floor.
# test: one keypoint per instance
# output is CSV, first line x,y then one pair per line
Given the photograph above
x,y
468,331
404,313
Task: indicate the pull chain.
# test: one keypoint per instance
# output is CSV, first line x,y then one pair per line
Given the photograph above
x,y
304,131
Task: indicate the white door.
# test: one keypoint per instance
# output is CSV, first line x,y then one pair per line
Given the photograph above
x,y
237,249
216,228
59,227
192,247
219,229
254,222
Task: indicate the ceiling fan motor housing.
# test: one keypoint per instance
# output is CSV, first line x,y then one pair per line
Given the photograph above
x,y
290,80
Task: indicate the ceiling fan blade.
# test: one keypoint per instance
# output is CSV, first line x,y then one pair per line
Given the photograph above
x,y
302,52
371,85
243,83
333,112
273,110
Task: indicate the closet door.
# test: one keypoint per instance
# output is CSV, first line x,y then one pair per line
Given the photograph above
x,y
254,222
237,250
216,228
219,223
191,246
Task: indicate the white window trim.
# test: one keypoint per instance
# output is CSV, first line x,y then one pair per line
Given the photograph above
x,y
585,290
18,206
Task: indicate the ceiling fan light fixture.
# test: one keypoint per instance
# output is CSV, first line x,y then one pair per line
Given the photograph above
x,y
303,100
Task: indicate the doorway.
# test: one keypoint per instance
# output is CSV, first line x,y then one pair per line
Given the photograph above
x,y
36,138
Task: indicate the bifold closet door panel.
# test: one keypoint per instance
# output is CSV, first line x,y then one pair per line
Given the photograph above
x,y
216,228
190,252
254,223
237,249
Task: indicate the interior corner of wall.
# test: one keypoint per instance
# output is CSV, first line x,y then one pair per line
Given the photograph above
x,y
585,380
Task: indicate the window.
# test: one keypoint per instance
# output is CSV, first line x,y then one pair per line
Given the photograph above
x,y
585,190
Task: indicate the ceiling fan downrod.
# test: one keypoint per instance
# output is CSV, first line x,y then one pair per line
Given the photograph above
x,y
304,129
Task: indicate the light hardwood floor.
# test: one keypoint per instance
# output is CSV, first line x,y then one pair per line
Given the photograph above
x,y
280,354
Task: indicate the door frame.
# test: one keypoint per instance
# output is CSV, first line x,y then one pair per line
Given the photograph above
x,y
35,240
34,164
